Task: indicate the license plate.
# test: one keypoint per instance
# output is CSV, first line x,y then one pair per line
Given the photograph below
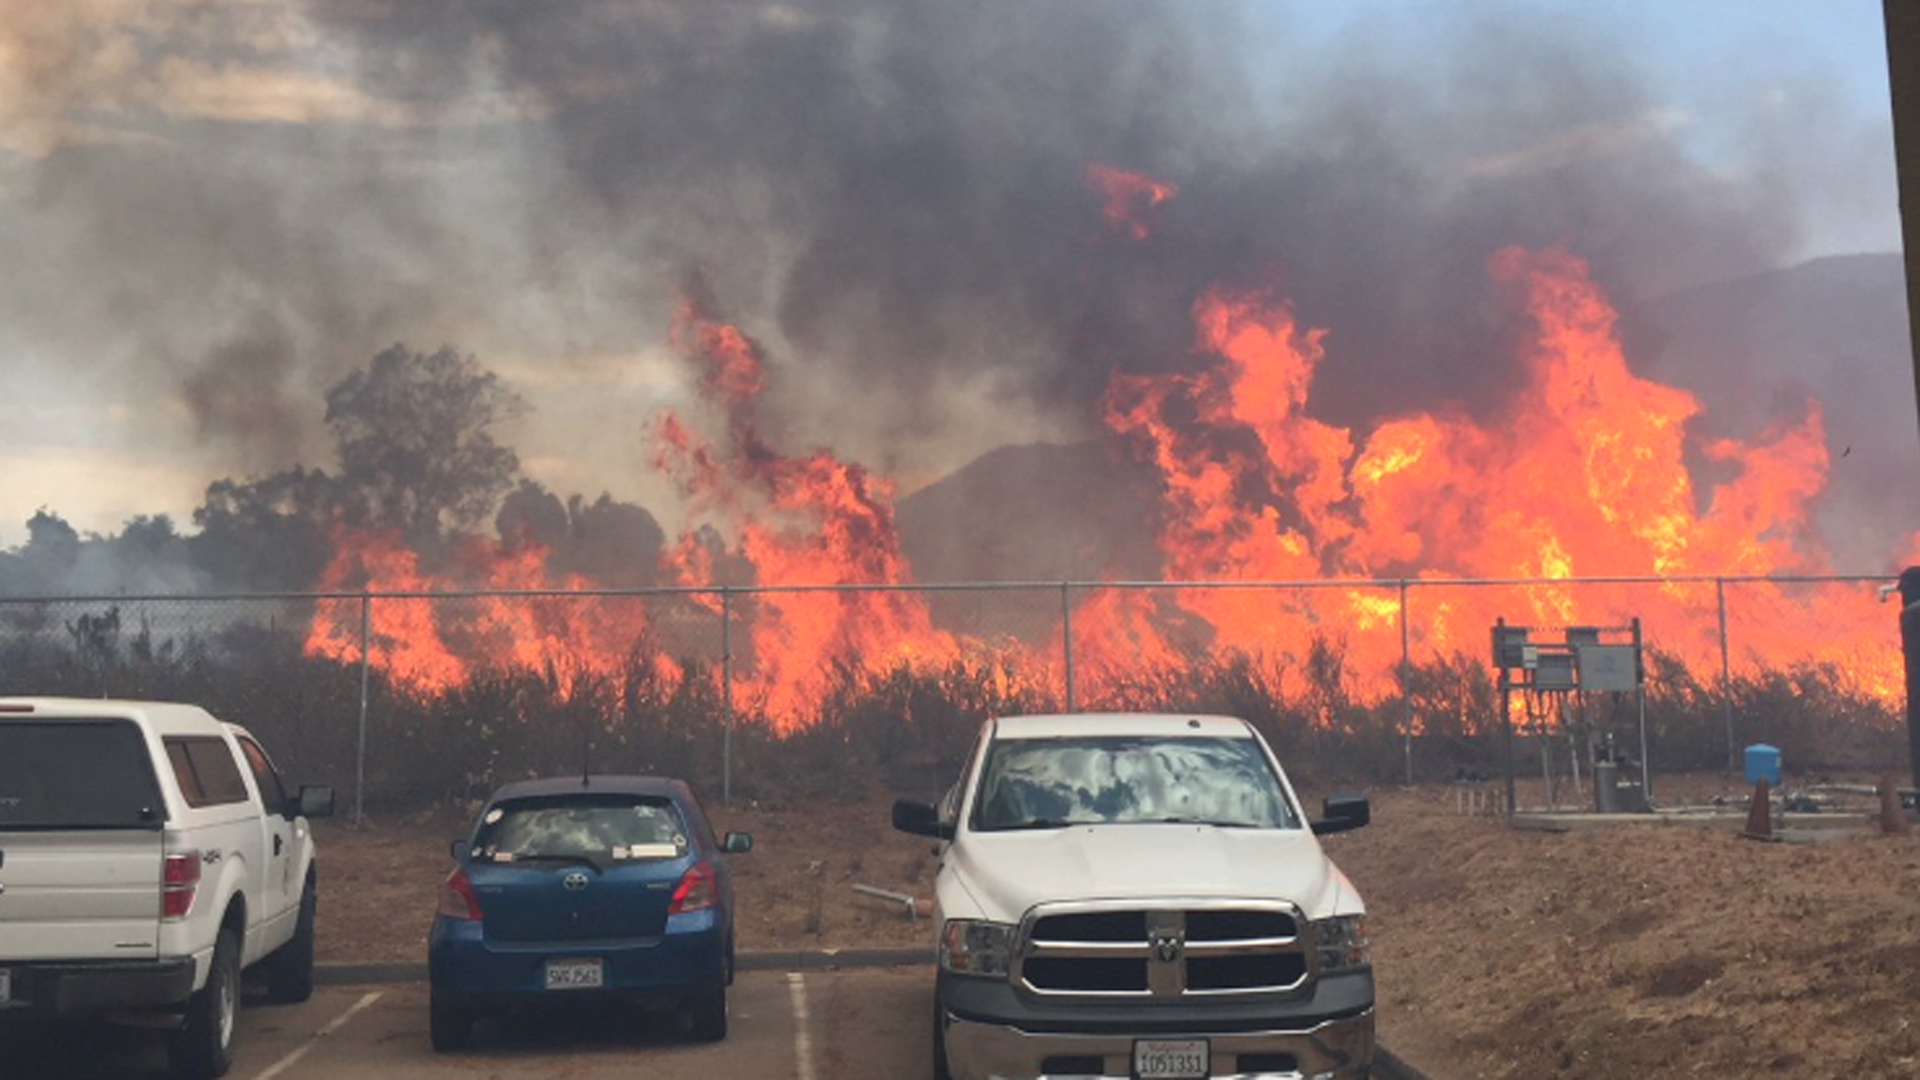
x,y
1170,1059
573,974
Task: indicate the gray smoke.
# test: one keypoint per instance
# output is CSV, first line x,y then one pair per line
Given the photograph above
x,y
890,193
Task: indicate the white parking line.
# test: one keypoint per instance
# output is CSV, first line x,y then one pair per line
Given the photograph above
x,y
334,1025
802,1040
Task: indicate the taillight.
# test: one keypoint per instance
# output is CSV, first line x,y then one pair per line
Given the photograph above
x,y
457,898
179,881
699,889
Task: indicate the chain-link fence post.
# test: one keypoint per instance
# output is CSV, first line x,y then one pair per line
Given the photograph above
x,y
1726,674
726,696
366,677
1066,636
1406,673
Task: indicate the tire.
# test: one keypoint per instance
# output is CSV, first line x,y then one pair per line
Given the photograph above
x,y
449,1021
203,1048
290,968
940,1069
708,1015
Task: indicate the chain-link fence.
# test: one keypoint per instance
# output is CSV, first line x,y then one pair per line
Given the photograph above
x,y
408,699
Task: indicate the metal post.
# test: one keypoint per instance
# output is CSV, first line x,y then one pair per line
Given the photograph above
x,y
1506,726
1406,673
1903,84
1726,674
1640,691
726,696
1910,652
366,677
1066,636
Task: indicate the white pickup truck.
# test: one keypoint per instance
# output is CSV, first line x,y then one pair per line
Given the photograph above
x,y
148,853
1140,897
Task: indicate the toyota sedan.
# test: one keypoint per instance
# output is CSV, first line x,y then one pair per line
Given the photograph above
x,y
586,888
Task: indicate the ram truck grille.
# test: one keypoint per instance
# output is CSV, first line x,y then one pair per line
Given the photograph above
x,y
1180,951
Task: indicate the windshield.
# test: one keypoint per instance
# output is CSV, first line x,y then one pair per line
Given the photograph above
x,y
597,829
1047,783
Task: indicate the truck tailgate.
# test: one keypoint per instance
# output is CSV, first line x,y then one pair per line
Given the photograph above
x,y
80,895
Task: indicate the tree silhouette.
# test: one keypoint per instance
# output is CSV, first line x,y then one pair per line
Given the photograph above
x,y
414,434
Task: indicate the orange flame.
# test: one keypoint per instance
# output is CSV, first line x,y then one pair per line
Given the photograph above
x,y
1581,474
798,521
1126,198
563,639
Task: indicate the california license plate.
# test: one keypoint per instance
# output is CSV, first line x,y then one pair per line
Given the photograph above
x,y
1170,1059
574,974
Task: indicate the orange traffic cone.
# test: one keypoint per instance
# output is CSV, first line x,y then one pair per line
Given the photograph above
x,y
1760,814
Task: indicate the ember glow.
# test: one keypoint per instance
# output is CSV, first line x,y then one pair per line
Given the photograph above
x,y
1126,199
1581,474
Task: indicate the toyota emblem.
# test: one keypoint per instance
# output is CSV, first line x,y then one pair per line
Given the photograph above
x,y
1167,947
574,881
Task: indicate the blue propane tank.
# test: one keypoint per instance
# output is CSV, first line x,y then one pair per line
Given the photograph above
x,y
1763,763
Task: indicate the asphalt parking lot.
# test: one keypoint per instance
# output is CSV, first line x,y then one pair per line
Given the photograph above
x,y
806,1025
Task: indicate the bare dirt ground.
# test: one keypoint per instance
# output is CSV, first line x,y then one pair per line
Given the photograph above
x,y
1637,951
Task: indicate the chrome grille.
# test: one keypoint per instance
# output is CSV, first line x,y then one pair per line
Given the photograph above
x,y
1185,949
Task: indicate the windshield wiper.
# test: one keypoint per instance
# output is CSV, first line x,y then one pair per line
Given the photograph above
x,y
1036,823
1208,821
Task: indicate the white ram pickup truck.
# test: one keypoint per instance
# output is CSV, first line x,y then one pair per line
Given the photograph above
x,y
1140,897
148,853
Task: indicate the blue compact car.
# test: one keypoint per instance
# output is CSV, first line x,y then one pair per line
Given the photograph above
x,y
587,888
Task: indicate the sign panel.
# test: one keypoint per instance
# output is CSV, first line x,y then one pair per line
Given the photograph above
x,y
1609,667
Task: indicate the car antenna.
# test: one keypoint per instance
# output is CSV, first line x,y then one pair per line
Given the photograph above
x,y
586,754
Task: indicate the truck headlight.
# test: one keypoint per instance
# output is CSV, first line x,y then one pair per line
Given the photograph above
x,y
1342,942
974,947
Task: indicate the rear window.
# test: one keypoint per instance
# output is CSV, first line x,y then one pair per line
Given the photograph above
x,y
597,827
84,774
205,770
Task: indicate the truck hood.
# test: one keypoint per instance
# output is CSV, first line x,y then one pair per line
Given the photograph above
x,y
1008,873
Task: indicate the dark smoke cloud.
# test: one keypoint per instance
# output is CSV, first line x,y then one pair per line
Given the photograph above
x,y
891,194
898,185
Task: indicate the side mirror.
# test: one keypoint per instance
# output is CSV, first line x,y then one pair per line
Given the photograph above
x,y
920,819
1343,812
736,843
314,802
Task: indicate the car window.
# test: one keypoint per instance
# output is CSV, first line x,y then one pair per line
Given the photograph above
x,y
203,766
595,827
265,777
77,775
1044,783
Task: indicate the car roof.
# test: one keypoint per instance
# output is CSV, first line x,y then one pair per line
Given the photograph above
x,y
1162,725
166,717
656,787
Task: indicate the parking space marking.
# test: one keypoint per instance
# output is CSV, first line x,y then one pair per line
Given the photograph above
x,y
332,1026
802,1040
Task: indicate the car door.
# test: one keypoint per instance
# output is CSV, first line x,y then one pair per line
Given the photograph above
x,y
285,839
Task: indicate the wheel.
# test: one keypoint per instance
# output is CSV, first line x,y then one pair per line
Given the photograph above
x,y
290,968
203,1048
449,1021
709,1015
940,1069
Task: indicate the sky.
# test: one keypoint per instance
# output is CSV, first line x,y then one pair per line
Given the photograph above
x,y
214,210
